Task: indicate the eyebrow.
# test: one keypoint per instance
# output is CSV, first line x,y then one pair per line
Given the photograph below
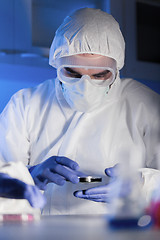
x,y
96,74
71,70
101,73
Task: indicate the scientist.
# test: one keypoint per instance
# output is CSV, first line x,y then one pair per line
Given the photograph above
x,y
85,121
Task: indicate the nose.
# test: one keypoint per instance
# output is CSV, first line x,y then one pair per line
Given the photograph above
x,y
85,77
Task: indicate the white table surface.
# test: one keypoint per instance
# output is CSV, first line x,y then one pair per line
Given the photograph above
x,y
72,227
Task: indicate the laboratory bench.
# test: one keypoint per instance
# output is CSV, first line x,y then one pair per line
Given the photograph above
x,y
72,227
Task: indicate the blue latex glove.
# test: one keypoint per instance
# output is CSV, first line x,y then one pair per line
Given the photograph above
x,y
106,192
55,169
16,189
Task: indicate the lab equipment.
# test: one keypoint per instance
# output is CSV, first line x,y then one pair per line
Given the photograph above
x,y
102,193
139,222
71,68
98,76
19,217
154,211
153,208
128,205
90,179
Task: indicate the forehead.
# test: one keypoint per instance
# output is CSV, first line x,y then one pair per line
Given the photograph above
x,y
90,60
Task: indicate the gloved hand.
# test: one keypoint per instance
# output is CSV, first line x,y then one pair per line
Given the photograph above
x,y
107,192
16,189
55,169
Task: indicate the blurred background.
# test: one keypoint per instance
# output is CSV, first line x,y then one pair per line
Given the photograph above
x,y
27,28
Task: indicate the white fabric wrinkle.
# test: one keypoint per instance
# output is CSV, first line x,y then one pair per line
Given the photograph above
x,y
74,36
70,140
151,181
64,106
108,45
38,128
66,118
88,27
17,122
83,96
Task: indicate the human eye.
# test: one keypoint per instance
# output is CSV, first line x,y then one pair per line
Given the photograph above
x,y
99,76
102,75
69,72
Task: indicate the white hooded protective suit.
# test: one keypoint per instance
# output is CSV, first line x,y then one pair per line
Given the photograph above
x,y
38,122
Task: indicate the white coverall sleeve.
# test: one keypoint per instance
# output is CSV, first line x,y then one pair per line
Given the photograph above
x,y
14,141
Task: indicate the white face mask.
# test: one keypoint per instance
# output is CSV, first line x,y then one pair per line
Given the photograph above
x,y
84,96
